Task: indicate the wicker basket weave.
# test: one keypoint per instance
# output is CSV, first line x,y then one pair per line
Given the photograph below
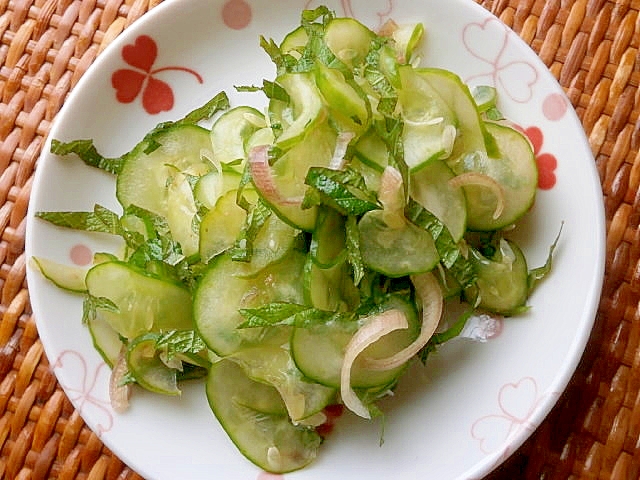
x,y
590,46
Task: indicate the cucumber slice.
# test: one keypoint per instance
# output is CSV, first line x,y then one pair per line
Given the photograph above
x,y
407,38
211,186
272,244
144,303
144,177
157,182
370,175
347,102
255,418
274,366
223,290
516,172
430,188
302,113
372,151
67,277
105,339
502,283
294,42
328,240
319,351
349,40
330,289
221,225
454,93
395,251
231,131
289,173
146,366
180,213
429,131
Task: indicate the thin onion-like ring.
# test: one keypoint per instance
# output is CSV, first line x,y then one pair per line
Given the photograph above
x,y
374,328
430,294
263,179
482,180
119,393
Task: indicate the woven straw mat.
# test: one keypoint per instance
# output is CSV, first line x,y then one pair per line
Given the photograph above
x,y
590,46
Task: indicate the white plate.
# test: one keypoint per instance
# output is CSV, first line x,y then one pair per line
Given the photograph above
x,y
475,403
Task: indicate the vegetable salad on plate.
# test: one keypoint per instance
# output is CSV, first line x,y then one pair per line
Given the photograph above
x,y
301,257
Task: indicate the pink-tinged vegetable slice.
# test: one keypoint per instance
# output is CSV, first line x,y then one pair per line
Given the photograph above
x,y
342,142
119,393
430,294
376,327
263,178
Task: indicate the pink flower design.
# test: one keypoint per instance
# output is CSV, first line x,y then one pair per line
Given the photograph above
x,y
236,14
157,95
489,42
269,476
547,162
83,392
516,403
350,8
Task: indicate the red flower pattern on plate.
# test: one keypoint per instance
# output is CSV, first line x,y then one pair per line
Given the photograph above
x,y
157,95
546,162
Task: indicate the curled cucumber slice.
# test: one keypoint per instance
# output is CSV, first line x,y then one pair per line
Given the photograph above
x,y
256,420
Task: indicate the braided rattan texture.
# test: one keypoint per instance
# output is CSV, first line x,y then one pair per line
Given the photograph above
x,y
591,46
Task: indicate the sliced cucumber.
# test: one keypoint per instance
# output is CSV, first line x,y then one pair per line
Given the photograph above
x,y
429,131
144,177
372,150
274,366
289,173
331,288
255,418
223,290
148,369
328,240
302,113
348,104
221,225
501,286
430,188
395,250
211,186
319,351
272,244
144,303
516,172
294,42
371,176
407,38
157,181
472,134
349,40
231,131
67,277
105,339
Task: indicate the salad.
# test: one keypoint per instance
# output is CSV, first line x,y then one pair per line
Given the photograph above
x,y
302,257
